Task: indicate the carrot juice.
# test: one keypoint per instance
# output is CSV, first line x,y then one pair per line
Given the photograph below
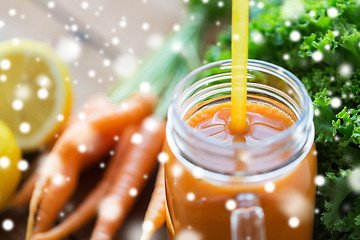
x,y
255,185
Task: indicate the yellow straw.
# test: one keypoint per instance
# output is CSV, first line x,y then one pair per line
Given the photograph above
x,y
239,52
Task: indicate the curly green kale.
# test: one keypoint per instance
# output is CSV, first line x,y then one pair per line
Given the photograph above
x,y
319,41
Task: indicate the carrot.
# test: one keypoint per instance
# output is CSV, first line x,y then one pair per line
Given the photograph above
x,y
91,106
140,160
89,206
155,215
23,196
93,136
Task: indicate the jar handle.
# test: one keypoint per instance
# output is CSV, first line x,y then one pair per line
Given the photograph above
x,y
247,219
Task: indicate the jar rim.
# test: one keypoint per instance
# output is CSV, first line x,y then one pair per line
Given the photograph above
x,y
305,117
303,122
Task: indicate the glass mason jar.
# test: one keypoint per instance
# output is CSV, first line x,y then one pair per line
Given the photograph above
x,y
207,198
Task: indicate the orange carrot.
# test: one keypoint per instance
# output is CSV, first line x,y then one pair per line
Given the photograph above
x,y
155,215
140,160
23,196
83,141
89,206
91,106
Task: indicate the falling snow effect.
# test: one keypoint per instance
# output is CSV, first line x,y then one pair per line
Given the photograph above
x,y
12,12
133,192
335,102
137,138
125,65
110,208
82,148
163,157
188,234
190,196
317,56
68,49
345,70
24,127
294,222
4,162
198,172
354,180
5,64
319,180
7,225
332,12
17,105
257,37
23,165
295,36
230,204
269,187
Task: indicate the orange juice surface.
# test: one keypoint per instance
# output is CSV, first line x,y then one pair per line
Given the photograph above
x,y
199,207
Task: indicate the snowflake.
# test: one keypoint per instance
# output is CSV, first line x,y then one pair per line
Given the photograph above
x,y
123,22
295,36
332,12
177,171
92,73
190,196
230,204
188,234
60,117
12,12
176,27
133,192
286,56
43,93
269,187
335,102
257,37
125,65
198,172
220,4
154,41
8,225
5,64
115,41
23,165
2,24
319,180
84,5
294,222
4,162
24,127
345,70
51,5
292,9
17,105
354,180
3,78
145,26
163,157
102,165
106,62
137,138
82,148
317,56
260,5
317,112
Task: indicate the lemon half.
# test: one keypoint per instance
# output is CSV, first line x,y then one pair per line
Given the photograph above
x,y
9,157
35,92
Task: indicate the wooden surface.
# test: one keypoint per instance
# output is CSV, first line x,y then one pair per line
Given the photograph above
x,y
131,229
101,21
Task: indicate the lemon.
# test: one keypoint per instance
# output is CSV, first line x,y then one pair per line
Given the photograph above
x,y
35,92
9,157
